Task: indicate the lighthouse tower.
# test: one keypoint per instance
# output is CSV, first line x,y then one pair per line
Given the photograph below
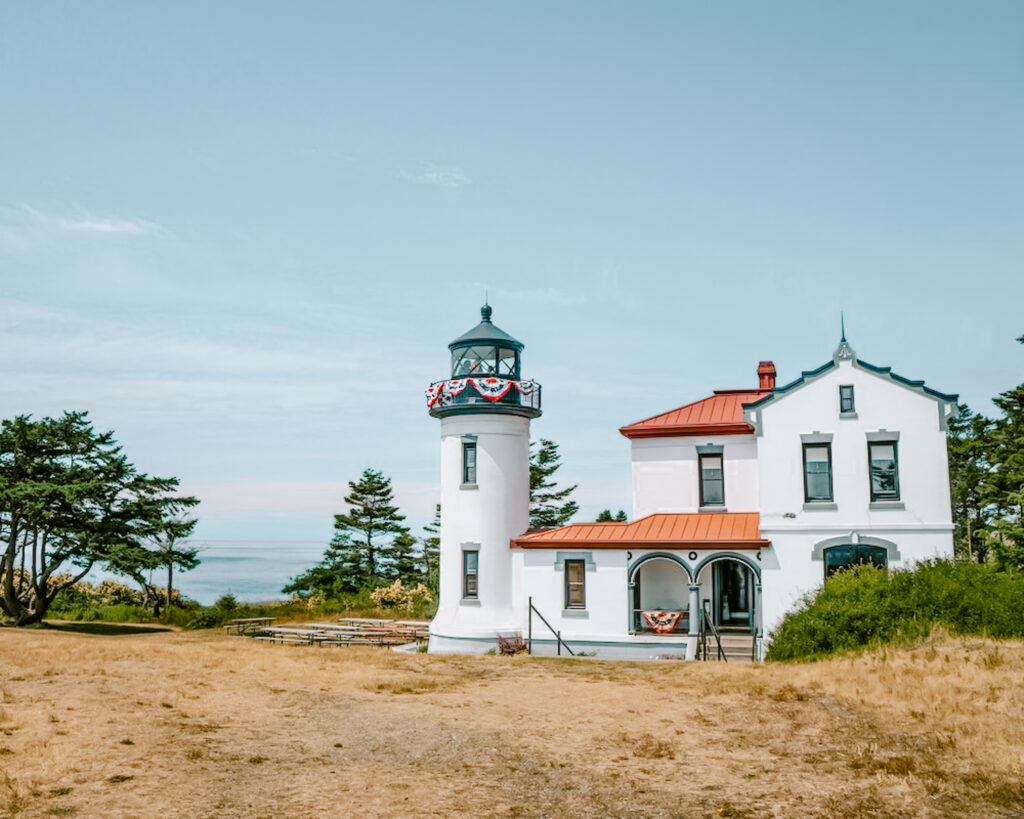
x,y
485,409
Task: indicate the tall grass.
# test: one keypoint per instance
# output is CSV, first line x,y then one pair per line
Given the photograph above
x,y
867,606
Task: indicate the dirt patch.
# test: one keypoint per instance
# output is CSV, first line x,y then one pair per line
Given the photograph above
x,y
185,725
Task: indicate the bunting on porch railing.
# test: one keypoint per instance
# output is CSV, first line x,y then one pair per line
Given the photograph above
x,y
663,622
442,393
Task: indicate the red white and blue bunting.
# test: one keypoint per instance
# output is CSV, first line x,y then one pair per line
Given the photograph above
x,y
443,393
663,622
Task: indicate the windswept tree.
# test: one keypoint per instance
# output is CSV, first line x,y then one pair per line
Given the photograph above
x,y
69,501
550,507
358,555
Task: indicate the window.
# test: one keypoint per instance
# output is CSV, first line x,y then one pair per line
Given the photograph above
x,y
473,362
846,404
470,562
575,584
885,479
817,472
712,482
838,558
469,462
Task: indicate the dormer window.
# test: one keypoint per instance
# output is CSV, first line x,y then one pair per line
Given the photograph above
x,y
846,405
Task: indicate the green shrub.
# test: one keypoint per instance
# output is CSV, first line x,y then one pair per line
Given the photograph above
x,y
866,606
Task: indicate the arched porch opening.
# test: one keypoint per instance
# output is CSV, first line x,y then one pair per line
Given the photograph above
x,y
660,599
730,589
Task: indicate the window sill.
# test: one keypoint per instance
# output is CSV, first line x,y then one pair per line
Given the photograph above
x,y
718,507
469,601
581,613
882,505
848,415
469,486
820,506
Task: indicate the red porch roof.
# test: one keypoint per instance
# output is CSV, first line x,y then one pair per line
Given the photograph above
x,y
737,530
721,414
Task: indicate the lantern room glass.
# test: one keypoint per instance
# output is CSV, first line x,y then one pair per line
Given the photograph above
x,y
482,360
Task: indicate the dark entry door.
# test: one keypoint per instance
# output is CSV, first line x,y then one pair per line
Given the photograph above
x,y
733,590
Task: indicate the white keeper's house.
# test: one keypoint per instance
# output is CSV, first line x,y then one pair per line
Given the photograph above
x,y
743,501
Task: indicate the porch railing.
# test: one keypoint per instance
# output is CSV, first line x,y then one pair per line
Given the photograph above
x,y
560,643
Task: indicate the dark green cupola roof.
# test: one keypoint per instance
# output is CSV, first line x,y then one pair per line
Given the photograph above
x,y
486,333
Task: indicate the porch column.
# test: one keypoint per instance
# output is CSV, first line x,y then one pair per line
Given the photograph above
x,y
694,618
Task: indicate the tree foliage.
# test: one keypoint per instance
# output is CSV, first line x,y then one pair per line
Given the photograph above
x,y
370,546
70,500
986,469
550,507
605,516
432,551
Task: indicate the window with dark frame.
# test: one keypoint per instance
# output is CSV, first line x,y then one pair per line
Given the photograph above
x,y
575,584
838,558
846,404
884,467
469,461
712,480
470,563
817,472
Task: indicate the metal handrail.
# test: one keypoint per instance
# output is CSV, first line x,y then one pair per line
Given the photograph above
x,y
706,624
558,634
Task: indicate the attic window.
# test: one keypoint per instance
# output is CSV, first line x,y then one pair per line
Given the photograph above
x,y
846,405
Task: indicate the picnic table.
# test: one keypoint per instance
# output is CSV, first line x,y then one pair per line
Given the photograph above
x,y
346,632
247,625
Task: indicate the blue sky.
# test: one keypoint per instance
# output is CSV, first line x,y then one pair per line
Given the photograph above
x,y
242,234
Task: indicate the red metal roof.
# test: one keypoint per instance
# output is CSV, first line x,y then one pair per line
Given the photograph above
x,y
721,414
735,529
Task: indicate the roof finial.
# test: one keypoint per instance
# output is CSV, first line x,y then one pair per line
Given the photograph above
x,y
485,311
844,352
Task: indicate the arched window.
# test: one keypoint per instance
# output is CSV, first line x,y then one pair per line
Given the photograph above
x,y
842,557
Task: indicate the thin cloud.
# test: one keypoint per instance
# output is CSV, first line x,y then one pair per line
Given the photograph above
x,y
441,176
25,230
128,227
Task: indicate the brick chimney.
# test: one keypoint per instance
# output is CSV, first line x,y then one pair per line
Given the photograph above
x,y
766,375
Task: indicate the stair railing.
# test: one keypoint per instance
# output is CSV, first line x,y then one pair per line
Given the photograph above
x,y
558,634
707,626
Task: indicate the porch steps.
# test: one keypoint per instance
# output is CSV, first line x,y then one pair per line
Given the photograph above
x,y
737,647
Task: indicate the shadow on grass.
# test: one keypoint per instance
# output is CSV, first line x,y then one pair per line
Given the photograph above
x,y
109,629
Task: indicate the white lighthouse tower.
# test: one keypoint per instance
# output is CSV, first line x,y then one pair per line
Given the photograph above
x,y
485,409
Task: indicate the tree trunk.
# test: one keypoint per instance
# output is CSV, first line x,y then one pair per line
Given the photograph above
x,y
170,580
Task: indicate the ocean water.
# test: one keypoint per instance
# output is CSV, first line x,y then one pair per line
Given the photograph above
x,y
252,571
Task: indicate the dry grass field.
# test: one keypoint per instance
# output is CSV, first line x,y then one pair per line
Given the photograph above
x,y
201,725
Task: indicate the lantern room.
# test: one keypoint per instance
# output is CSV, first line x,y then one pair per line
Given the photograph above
x,y
485,375
485,351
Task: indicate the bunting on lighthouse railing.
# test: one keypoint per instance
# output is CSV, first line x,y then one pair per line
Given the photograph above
x,y
443,393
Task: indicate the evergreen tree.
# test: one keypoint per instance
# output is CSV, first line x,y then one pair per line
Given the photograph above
x,y
404,559
359,554
550,507
70,500
1007,479
432,551
605,516
969,473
